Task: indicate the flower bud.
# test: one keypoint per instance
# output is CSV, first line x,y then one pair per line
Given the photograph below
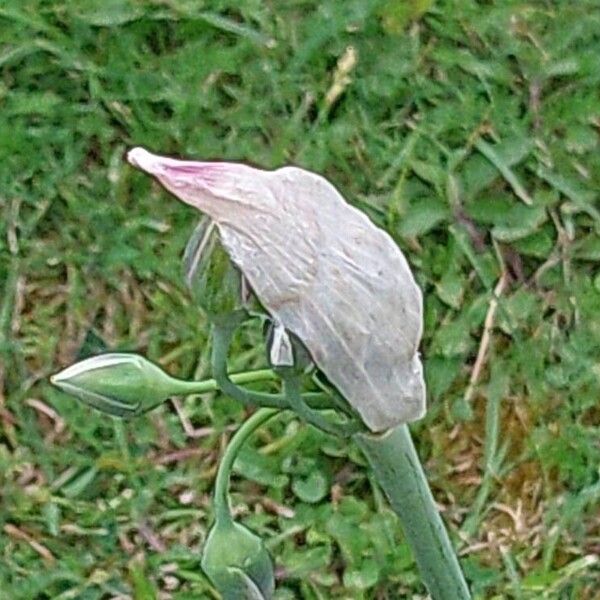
x,y
237,562
214,282
122,385
285,351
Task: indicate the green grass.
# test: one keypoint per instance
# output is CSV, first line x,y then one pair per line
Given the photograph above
x,y
471,135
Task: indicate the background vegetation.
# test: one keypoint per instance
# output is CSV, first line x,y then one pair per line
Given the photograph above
x,y
471,134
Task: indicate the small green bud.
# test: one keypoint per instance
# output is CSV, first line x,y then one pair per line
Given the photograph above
x,y
122,385
215,284
237,562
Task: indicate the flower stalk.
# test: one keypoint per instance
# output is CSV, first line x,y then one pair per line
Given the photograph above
x,y
397,467
127,385
221,496
234,558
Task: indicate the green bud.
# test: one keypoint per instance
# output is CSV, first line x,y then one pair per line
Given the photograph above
x,y
237,562
215,284
123,385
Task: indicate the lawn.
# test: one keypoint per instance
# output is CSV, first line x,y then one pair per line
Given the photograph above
x,y
470,133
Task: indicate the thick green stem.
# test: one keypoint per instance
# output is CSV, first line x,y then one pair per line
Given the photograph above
x,y
396,465
222,510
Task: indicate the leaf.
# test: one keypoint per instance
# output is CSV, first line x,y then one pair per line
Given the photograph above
x,y
79,484
519,222
306,562
311,489
363,577
52,517
570,187
397,14
452,339
496,159
143,586
422,216
440,373
260,468
450,288
588,248
109,13
429,172
485,268
462,409
44,104
538,244
517,310
562,68
479,172
345,533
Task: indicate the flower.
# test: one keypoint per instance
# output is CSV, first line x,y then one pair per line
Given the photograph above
x,y
215,284
237,562
119,384
322,270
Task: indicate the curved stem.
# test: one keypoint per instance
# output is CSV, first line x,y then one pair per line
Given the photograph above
x,y
291,384
221,339
222,509
186,388
396,465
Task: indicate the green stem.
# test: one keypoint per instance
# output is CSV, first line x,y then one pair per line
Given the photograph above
x,y
221,339
398,470
222,510
210,385
180,387
297,403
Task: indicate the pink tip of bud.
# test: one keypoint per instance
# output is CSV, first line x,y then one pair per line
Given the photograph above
x,y
144,160
171,167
